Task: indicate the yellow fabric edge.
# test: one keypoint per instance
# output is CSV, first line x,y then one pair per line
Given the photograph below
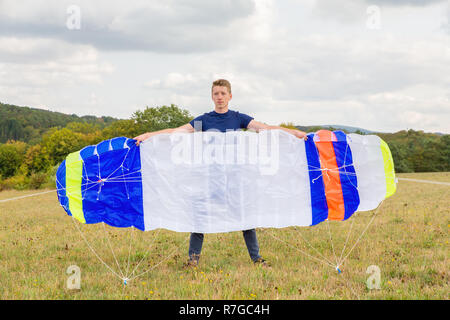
x,y
74,170
388,169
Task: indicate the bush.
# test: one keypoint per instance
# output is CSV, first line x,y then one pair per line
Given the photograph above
x,y
37,180
51,178
11,157
20,182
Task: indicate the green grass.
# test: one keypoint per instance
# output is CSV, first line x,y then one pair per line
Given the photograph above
x,y
407,240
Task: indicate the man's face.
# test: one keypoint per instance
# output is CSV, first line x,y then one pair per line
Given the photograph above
x,y
221,97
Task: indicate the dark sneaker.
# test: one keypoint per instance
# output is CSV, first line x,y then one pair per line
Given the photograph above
x,y
261,262
192,261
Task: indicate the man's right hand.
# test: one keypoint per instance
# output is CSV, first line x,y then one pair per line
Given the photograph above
x,y
142,137
185,128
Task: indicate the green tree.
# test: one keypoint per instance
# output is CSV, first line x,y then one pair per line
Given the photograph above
x,y
121,128
36,160
445,152
150,119
153,119
81,127
289,125
400,157
10,129
58,143
11,157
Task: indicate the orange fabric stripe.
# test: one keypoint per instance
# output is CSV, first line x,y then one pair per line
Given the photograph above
x,y
331,178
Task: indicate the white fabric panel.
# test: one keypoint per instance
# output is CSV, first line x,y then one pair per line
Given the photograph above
x,y
369,167
211,182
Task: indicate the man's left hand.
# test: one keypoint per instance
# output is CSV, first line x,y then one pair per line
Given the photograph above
x,y
299,134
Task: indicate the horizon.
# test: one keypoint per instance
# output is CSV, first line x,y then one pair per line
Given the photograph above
x,y
338,126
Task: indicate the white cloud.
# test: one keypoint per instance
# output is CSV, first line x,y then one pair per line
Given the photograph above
x,y
172,80
45,62
312,62
161,26
49,73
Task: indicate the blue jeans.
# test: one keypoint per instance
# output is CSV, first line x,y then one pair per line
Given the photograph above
x,y
196,242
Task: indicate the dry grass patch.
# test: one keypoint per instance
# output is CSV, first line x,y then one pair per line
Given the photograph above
x,y
407,240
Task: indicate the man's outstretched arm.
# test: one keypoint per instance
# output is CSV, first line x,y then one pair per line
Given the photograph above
x,y
258,126
184,128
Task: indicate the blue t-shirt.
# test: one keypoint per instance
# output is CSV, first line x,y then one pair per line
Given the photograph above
x,y
230,120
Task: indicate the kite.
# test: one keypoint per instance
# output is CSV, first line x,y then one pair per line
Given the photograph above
x,y
211,182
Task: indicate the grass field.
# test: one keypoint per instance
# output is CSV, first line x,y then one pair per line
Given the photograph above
x,y
407,239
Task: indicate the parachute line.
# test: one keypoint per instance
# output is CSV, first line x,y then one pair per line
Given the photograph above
x,y
311,246
94,252
326,262
141,183
362,233
331,241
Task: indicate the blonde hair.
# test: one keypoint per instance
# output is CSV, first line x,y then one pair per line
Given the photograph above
x,y
221,83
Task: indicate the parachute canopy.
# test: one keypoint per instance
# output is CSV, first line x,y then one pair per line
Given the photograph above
x,y
219,182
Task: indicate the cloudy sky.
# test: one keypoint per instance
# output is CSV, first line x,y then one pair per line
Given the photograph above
x,y
382,65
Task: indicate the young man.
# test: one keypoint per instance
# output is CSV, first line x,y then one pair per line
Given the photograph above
x,y
222,119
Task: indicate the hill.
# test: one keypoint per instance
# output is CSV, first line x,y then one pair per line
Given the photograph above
x,y
28,124
38,147
334,127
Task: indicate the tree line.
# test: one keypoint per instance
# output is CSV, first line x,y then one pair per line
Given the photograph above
x,y
31,161
29,124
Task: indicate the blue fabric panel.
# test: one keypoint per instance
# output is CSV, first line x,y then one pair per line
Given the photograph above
x,y
118,143
340,135
61,187
103,147
87,152
347,174
130,143
117,200
318,199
